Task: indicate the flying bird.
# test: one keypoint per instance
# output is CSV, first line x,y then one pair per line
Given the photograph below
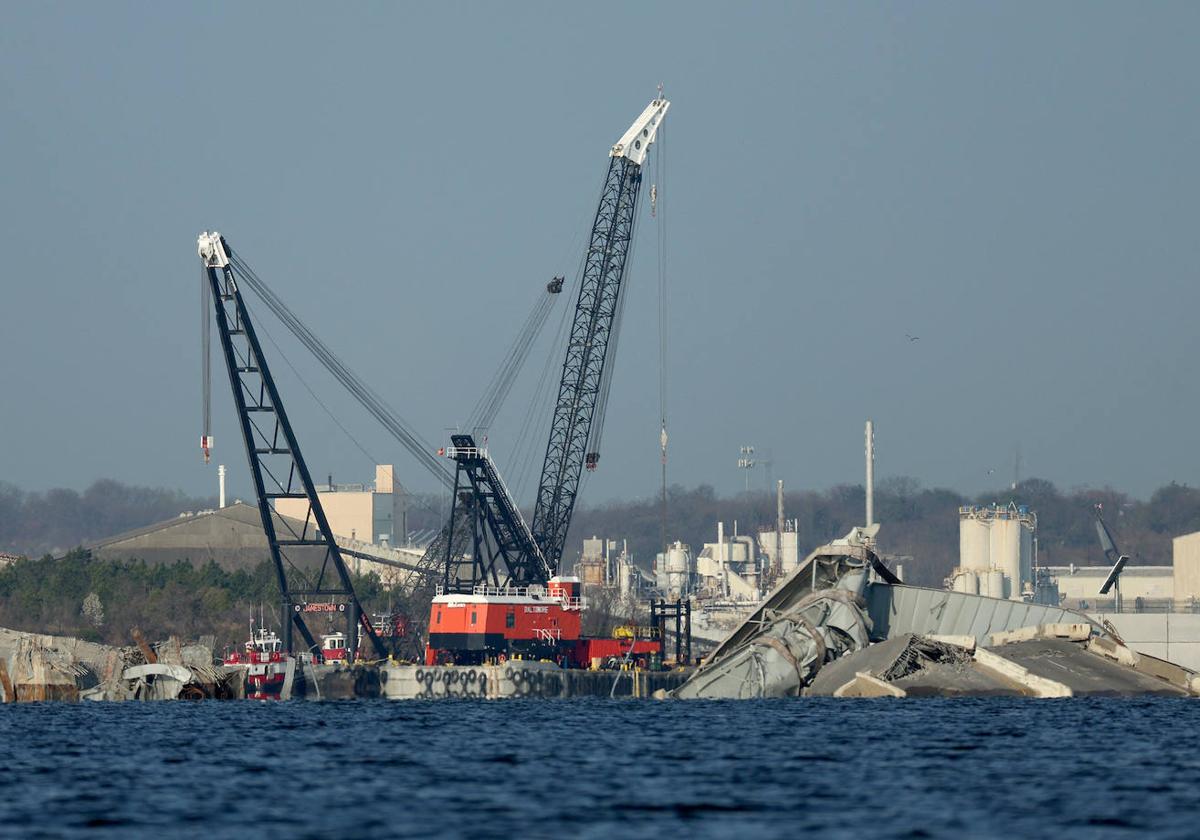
x,y
912,337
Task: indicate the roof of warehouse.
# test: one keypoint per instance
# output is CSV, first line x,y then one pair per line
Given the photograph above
x,y
238,512
1102,571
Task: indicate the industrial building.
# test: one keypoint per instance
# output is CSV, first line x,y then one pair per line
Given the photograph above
x,y
1158,608
996,552
230,536
1155,609
362,517
1140,589
727,569
370,513
724,581
233,538
998,558
786,560
609,563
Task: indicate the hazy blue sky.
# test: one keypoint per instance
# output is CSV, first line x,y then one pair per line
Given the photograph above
x,y
1014,183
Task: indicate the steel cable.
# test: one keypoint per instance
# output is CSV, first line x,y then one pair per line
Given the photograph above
x,y
387,416
492,399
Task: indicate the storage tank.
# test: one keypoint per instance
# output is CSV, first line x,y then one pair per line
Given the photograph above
x,y
992,584
973,540
790,557
1006,551
965,580
677,565
998,539
1028,523
624,576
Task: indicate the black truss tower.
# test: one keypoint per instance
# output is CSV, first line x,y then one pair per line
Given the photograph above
x,y
279,472
587,351
503,551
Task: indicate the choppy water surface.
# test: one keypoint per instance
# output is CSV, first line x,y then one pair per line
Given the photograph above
x,y
605,769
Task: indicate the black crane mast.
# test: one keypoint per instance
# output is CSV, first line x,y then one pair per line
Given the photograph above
x,y
503,550
532,554
583,385
278,468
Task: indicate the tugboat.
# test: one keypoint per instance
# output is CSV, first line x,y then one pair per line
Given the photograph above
x,y
333,647
265,664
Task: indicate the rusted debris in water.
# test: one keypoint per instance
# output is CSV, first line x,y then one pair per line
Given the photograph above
x,y
5,683
140,640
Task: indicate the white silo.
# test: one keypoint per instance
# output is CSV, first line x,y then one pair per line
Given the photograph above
x,y
996,543
974,547
790,555
965,580
992,584
678,568
787,558
624,576
1006,551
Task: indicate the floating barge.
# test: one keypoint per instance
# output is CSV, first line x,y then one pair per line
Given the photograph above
x,y
516,679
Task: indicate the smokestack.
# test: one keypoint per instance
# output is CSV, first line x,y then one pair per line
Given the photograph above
x,y
870,473
221,484
778,527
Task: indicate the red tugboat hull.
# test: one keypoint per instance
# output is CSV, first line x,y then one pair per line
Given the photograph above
x,y
265,663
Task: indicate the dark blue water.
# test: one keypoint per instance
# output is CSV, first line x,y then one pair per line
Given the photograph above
x,y
606,769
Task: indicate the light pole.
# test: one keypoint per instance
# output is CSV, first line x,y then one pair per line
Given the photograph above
x,y
746,463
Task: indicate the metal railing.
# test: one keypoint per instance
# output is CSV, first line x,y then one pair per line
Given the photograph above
x,y
535,591
1132,604
532,591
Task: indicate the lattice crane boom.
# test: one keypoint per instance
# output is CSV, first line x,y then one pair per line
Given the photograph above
x,y
277,467
596,312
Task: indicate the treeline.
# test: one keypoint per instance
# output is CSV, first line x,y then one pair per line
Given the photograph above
x,y
101,600
52,522
916,521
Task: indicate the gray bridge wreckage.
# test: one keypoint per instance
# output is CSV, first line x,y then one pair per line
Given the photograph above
x,y
843,625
